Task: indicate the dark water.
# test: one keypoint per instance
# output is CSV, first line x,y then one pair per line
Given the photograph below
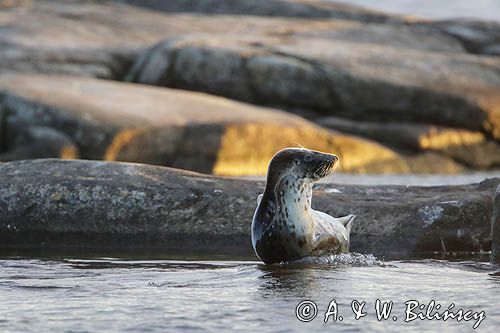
x,y
116,295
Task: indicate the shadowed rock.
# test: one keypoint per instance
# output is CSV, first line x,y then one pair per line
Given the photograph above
x,y
476,36
89,204
495,226
284,8
37,142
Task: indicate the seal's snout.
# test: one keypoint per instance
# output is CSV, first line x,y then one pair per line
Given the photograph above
x,y
326,164
333,159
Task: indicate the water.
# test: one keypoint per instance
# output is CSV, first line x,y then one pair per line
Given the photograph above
x,y
118,295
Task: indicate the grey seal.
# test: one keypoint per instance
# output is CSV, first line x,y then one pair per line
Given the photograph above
x,y
284,226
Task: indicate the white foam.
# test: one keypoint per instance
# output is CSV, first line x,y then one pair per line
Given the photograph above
x,y
341,259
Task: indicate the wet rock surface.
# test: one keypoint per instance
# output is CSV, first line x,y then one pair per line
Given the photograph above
x,y
91,204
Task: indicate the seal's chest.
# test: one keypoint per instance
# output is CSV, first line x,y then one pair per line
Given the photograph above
x,y
294,212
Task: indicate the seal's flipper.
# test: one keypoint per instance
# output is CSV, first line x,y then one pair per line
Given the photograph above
x,y
259,198
347,221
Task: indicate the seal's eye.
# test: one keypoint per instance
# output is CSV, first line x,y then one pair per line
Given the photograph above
x,y
308,158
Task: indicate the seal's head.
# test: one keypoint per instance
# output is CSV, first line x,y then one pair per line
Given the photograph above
x,y
309,165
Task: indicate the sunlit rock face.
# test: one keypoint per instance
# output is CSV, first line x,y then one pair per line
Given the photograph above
x,y
246,150
471,148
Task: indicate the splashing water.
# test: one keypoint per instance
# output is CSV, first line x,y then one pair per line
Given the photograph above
x,y
351,259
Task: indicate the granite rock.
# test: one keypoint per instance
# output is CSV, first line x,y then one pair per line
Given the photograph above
x,y
103,205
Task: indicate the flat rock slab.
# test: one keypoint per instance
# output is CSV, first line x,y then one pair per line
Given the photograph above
x,y
139,123
102,38
87,38
104,205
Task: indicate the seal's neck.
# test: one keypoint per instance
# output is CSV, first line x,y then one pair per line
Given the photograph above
x,y
291,192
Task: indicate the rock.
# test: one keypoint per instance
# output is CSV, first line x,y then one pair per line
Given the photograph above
x,y
3,130
468,147
405,36
477,36
362,66
103,205
341,60
428,163
14,3
39,142
100,39
19,140
495,226
88,38
337,78
129,122
246,150
492,49
284,8
57,37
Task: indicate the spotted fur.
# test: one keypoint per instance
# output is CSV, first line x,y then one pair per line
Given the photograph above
x,y
284,226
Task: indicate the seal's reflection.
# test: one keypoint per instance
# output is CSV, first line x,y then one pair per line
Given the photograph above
x,y
298,280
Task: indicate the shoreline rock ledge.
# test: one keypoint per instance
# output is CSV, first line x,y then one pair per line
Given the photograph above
x,y
495,227
62,204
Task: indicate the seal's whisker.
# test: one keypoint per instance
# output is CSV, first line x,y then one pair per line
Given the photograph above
x,y
298,144
331,172
322,169
330,177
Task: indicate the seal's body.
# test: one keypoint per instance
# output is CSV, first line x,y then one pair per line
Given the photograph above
x,y
284,226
